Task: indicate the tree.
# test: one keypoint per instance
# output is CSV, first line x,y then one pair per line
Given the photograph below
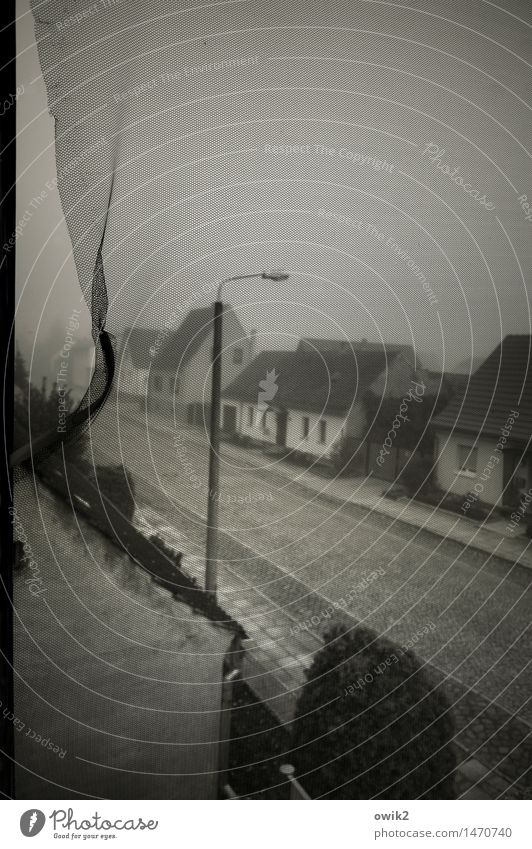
x,y
39,411
36,411
349,456
370,723
417,474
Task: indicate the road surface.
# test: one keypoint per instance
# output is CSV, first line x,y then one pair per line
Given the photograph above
x,y
472,611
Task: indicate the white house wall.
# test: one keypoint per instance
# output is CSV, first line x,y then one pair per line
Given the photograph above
x,y
294,428
254,431
451,480
312,444
194,378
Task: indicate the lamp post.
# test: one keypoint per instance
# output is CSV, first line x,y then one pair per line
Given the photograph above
x,y
211,553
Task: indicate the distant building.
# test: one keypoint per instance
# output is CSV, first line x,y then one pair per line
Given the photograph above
x,y
307,401
342,346
134,357
481,445
180,374
447,383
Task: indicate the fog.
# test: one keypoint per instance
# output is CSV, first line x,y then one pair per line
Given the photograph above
x,y
352,145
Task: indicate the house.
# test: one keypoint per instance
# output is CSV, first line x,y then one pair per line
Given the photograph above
x,y
133,360
483,435
307,401
180,376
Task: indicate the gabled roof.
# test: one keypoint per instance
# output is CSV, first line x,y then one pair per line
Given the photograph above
x,y
502,383
327,382
138,341
181,344
346,345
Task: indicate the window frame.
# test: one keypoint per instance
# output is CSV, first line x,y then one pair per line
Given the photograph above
x,y
305,427
322,432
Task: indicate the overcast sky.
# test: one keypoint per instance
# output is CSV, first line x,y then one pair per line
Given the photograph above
x,y
376,150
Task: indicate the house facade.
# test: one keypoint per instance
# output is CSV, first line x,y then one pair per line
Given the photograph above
x,y
307,401
483,436
180,375
133,361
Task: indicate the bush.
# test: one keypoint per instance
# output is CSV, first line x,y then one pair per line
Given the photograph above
x,y
348,456
254,729
417,474
361,733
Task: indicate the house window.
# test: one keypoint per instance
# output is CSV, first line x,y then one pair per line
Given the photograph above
x,y
251,416
238,356
305,427
467,459
158,383
323,430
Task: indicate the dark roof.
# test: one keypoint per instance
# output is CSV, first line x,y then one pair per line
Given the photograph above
x,y
328,382
502,383
346,345
181,344
457,381
138,341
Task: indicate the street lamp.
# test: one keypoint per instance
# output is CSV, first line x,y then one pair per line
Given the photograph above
x,y
214,447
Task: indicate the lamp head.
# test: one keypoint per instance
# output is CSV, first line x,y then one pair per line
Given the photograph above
x,y
277,276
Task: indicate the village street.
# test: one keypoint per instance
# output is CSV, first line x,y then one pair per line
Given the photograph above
x,y
403,579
